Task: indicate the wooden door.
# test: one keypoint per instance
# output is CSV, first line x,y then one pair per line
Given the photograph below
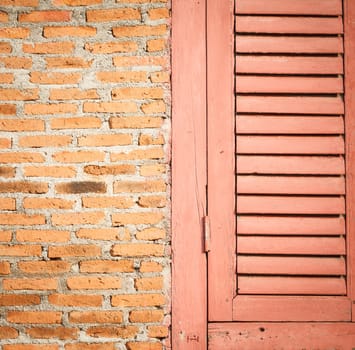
x,y
280,174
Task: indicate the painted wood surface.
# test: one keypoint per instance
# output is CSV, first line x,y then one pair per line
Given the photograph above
x,y
189,299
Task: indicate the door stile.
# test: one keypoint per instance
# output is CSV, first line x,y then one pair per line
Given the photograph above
x,y
221,159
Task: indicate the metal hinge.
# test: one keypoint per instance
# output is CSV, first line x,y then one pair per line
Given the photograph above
x,y
207,233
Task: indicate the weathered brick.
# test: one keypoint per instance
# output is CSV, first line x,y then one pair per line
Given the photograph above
x,y
42,235
76,123
110,15
154,45
81,187
145,218
146,316
19,95
95,317
5,48
83,282
73,94
57,32
137,300
45,16
154,107
106,266
139,186
16,62
67,62
90,346
111,47
21,219
35,317
54,78
49,48
76,250
47,203
60,332
158,332
45,141
4,17
79,156
135,122
112,332
139,93
61,108
23,187
150,266
5,268
21,157
104,234
77,218
152,169
160,77
19,299
75,300
151,233
121,169
50,171
76,2
5,236
136,249
141,61
139,31
110,107
7,172
20,250
44,267
29,3
152,201
144,346
30,284
146,140
7,203
158,13
30,347
148,283
5,143
7,109
107,202
105,140
8,332
7,78
14,32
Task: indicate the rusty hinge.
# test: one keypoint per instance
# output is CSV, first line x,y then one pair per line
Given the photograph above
x,y
207,233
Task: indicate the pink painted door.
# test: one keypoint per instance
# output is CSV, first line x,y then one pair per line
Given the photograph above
x,y
280,174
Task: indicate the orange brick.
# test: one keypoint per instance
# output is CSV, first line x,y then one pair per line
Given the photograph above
x,y
140,61
4,17
135,122
77,218
50,171
23,187
145,218
79,156
19,299
150,266
16,62
122,77
35,317
42,235
8,332
90,346
20,250
67,62
106,266
112,332
136,249
61,333
111,47
7,109
95,317
61,108
139,93
105,140
45,141
137,300
146,140
19,95
110,107
29,3
54,78
14,32
150,153
21,219
73,94
81,187
49,48
4,268
5,143
139,186
21,157
81,282
5,48
160,77
76,123
139,31
148,283
57,32
44,267
107,202
110,15
47,203
158,13
158,332
153,107
5,236
141,1
76,250
152,169
13,125
104,234
121,169
76,2
151,234
144,346
146,316
152,201
75,300
7,203
45,16
7,171
154,45
30,284
30,347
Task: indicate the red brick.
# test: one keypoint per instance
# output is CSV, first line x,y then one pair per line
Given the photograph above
x,y
4,17
8,332
151,233
30,284
140,61
19,299
104,234
5,268
13,125
50,171
7,78
148,283
139,31
146,316
35,317
81,187
105,140
137,300
79,156
73,94
47,203
152,201
14,32
45,16
5,48
42,235
155,45
135,122
7,109
139,186
16,62
5,236
111,47
39,108
150,266
19,95
29,3
121,169
158,13
30,347
76,2
106,266
144,346
137,249
7,203
110,15
145,218
76,123
21,219
95,317
20,250
154,107
5,143
112,332
55,78
67,62
160,77
56,32
61,333
45,141
107,202
76,250
110,107
83,282
140,93
158,332
90,346
23,187
21,157
49,48
7,172
75,300
77,218
44,267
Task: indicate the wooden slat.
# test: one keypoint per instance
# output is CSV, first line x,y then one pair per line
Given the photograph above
x,y
286,265
280,225
290,145
248,124
290,205
288,44
290,165
294,25
291,85
290,105
290,7
291,285
291,245
290,185
289,64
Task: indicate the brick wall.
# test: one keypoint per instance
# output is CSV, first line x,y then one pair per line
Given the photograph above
x,y
84,190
